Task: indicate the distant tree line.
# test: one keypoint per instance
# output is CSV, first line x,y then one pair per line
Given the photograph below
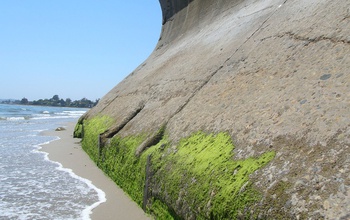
x,y
56,101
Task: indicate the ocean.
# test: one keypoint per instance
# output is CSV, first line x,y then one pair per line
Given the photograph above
x,y
32,186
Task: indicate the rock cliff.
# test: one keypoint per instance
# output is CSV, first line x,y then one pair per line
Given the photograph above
x,y
241,100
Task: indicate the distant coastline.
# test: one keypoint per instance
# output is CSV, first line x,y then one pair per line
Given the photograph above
x,y
55,101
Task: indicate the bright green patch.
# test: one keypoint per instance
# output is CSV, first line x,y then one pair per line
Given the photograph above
x,y
124,168
198,175
160,210
78,130
201,174
92,129
117,159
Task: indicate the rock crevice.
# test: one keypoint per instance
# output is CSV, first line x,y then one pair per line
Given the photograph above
x,y
273,74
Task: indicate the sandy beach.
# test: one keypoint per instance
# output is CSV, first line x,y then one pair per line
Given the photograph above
x,y
67,151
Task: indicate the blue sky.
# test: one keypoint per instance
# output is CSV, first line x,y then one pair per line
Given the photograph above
x,y
73,48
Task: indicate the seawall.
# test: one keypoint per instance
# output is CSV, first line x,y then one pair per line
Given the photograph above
x,y
271,75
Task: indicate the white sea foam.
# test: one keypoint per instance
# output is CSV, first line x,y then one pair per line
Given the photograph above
x,y
75,112
85,214
71,113
52,117
46,115
30,183
15,118
59,115
41,115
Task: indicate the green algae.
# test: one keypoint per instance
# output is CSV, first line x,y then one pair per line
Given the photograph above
x,y
78,131
123,167
117,159
92,129
198,175
201,173
161,210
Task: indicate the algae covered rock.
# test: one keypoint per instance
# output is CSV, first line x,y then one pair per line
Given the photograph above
x,y
242,108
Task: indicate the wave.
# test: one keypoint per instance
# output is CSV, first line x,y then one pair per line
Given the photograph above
x,y
85,214
54,117
79,113
15,118
42,116
17,113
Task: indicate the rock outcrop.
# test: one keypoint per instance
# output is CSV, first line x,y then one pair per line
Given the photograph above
x,y
272,74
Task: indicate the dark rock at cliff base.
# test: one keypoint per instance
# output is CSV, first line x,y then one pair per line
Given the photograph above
x,y
268,73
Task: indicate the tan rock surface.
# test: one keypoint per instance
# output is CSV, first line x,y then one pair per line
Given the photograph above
x,y
272,73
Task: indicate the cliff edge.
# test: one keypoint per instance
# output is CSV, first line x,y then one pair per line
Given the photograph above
x,y
241,111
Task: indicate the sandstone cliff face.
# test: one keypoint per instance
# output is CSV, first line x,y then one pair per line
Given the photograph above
x,y
273,74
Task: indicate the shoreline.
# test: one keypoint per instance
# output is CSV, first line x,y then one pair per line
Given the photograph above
x,y
68,152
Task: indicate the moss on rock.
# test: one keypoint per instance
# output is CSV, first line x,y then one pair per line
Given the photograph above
x,y
197,178
92,129
124,168
200,176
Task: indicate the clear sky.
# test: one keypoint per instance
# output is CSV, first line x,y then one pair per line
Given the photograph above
x,y
73,48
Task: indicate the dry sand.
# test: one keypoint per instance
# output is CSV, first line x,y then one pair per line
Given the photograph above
x,y
67,151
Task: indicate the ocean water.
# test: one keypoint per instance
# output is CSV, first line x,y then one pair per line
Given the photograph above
x,y
32,186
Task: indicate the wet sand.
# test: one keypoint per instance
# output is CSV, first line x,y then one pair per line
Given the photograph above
x,y
67,151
